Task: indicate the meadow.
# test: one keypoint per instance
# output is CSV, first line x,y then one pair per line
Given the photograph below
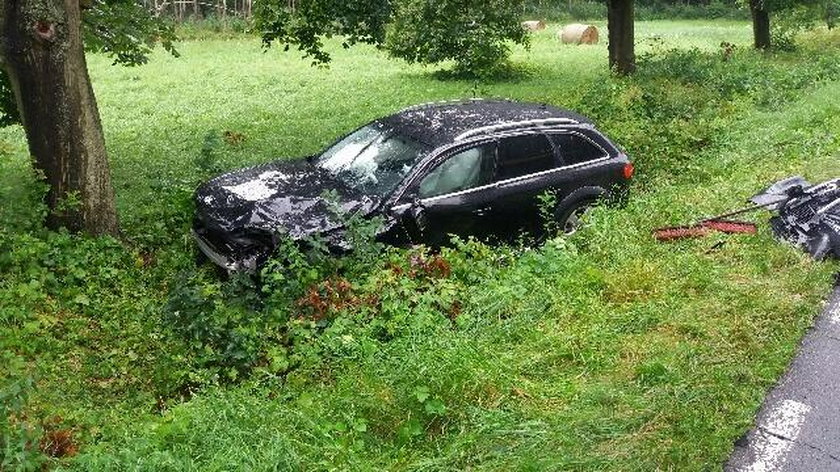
x,y
601,351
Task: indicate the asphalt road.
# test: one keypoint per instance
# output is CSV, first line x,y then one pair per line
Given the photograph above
x,y
798,426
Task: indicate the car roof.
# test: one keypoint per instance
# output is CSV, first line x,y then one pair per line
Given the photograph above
x,y
436,124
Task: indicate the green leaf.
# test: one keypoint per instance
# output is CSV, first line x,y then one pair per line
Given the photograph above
x,y
435,407
410,429
421,393
278,359
82,299
359,425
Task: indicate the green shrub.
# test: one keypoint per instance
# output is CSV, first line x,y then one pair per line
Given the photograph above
x,y
19,434
213,27
222,324
688,96
831,13
587,10
644,11
715,9
788,23
476,35
568,355
305,306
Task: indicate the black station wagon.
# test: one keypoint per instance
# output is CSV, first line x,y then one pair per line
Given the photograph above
x,y
472,169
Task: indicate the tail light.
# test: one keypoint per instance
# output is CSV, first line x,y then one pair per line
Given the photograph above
x,y
628,171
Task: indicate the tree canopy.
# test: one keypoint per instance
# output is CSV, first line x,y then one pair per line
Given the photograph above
x,y
303,24
122,29
475,34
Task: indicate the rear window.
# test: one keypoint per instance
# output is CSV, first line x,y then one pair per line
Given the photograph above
x,y
575,149
523,155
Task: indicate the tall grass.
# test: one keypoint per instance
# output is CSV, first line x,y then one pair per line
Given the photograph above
x,y
603,351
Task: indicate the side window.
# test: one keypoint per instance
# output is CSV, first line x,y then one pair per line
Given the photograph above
x,y
575,149
464,170
523,155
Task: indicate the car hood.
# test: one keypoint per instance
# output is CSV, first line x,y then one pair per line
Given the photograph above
x,y
281,196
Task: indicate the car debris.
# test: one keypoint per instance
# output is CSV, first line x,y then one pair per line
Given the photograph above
x,y
806,215
703,228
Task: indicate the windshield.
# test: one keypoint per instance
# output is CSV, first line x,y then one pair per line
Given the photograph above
x,y
373,159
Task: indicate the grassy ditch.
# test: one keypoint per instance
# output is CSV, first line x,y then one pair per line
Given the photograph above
x,y
602,351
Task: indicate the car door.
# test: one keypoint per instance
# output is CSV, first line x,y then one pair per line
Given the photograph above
x,y
456,195
520,178
578,156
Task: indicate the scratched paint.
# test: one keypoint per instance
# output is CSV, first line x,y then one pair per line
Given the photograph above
x,y
264,186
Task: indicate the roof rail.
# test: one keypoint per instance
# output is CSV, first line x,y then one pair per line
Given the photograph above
x,y
517,124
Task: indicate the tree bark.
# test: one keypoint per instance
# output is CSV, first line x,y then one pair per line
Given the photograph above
x,y
42,52
621,36
761,24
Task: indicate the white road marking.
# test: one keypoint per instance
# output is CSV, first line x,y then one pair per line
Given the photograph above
x,y
776,435
834,314
786,419
769,452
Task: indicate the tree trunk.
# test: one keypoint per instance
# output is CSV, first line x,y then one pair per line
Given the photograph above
x,y
621,41
761,24
43,55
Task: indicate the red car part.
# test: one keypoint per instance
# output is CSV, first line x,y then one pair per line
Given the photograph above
x,y
715,223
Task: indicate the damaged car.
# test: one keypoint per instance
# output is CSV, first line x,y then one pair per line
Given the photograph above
x,y
806,215
471,168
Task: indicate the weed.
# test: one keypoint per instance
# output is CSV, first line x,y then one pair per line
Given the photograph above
x,y
207,159
19,434
567,355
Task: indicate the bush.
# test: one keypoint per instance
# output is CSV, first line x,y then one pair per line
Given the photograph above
x,y
788,24
713,10
305,306
223,325
18,435
475,34
496,358
213,27
831,13
587,10
592,10
688,95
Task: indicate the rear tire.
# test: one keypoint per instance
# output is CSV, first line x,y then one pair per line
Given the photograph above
x,y
569,219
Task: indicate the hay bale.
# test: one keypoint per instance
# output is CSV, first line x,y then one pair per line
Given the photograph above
x,y
577,33
533,25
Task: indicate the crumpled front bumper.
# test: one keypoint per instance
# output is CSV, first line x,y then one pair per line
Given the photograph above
x,y
226,258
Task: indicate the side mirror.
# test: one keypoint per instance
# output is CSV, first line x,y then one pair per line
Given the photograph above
x,y
414,221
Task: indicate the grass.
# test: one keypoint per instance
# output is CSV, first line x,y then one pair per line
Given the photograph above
x,y
605,351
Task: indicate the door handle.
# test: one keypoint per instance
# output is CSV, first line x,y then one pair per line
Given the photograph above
x,y
481,211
